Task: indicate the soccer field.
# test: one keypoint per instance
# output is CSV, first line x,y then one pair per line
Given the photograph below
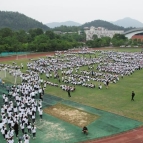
x,y
116,100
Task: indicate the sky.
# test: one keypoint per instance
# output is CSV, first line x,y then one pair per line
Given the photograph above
x,y
80,11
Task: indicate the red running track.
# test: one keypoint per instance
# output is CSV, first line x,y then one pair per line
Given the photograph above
x,y
133,136
34,55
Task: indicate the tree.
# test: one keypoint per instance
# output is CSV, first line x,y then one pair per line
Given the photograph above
x,y
94,37
21,36
119,39
5,32
35,32
36,40
38,31
50,34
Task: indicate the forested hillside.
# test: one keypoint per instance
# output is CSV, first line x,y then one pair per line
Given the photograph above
x,y
17,21
105,24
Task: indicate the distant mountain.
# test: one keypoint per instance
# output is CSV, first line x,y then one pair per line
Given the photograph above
x,y
66,23
105,24
128,22
95,23
18,21
102,23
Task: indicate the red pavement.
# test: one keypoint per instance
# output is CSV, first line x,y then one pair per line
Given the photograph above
x,y
9,58
133,136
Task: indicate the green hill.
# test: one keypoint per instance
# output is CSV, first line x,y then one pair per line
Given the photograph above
x,y
18,21
105,24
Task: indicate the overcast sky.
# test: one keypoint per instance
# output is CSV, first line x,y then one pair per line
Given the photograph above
x,y
80,11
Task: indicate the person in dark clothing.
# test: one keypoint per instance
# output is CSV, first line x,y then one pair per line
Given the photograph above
x,y
85,130
59,80
69,94
41,96
16,129
92,73
43,91
107,84
133,95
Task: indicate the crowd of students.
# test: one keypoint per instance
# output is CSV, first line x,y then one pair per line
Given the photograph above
x,y
20,106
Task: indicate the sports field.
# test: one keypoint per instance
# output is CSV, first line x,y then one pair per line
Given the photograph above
x,y
105,112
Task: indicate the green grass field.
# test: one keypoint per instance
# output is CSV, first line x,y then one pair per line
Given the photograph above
x,y
115,99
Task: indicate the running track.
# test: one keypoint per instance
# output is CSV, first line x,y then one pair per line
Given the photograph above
x,y
133,136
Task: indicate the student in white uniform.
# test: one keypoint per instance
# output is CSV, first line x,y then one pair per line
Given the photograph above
x,y
22,126
3,131
11,133
1,124
26,140
41,113
33,131
10,140
21,65
29,127
100,86
26,136
33,117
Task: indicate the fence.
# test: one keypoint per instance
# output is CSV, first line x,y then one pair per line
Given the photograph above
x,y
4,54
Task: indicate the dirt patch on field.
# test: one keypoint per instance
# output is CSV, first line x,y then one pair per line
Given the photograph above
x,y
71,115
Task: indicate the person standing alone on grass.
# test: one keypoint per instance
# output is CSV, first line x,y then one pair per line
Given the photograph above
x,y
68,90
133,95
107,84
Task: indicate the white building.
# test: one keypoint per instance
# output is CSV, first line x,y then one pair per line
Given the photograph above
x,y
100,32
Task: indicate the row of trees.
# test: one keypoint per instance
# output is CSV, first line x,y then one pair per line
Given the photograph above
x,y
37,40
117,40
40,41
99,42
64,28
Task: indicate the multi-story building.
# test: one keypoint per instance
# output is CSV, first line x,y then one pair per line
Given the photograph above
x,y
100,32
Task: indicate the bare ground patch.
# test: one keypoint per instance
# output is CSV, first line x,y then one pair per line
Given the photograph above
x,y
72,115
